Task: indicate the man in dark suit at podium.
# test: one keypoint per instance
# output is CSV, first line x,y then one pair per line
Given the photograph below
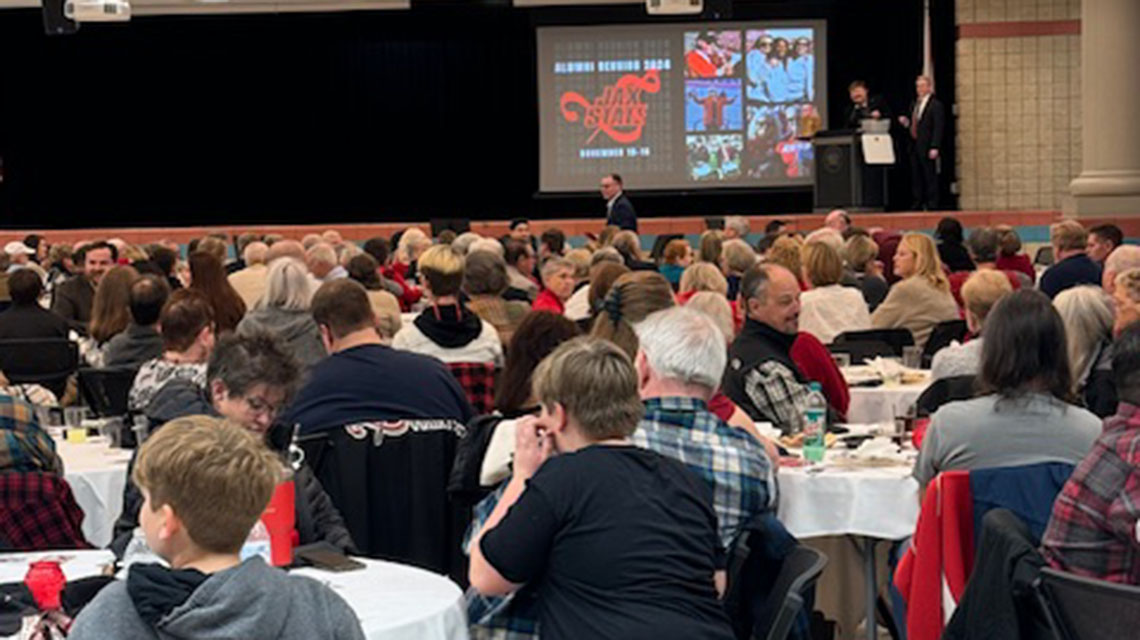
x,y
864,106
619,210
926,124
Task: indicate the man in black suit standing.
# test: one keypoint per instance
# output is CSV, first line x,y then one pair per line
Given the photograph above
x,y
926,123
619,210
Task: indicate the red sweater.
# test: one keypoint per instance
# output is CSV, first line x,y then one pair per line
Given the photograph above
x,y
941,555
412,293
547,301
1019,262
814,361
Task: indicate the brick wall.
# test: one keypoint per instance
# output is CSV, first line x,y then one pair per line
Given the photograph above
x,y
1018,91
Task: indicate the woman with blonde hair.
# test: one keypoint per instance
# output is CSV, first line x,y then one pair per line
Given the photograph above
x,y
631,298
413,242
1087,314
980,293
786,252
629,246
862,255
921,299
710,246
701,276
828,308
283,310
736,258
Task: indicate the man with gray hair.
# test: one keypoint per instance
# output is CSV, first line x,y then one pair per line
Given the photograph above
x,y
250,281
736,227
1123,258
680,360
321,258
761,377
838,220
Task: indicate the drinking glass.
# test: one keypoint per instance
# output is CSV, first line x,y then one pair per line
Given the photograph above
x,y
912,357
842,360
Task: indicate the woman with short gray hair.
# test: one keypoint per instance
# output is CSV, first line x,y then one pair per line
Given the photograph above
x,y
284,311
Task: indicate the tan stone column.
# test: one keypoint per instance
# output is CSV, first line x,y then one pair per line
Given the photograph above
x,y
1109,183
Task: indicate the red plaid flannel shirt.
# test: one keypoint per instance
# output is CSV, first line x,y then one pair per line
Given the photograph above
x,y
1092,531
38,512
478,382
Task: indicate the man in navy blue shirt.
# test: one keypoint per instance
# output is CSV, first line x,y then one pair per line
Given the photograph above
x,y
1072,265
364,380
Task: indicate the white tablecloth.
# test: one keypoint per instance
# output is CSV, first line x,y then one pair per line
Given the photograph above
x,y
97,475
883,403
398,602
878,502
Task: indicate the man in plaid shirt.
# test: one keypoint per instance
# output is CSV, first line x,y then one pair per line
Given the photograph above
x,y
1093,529
762,379
679,364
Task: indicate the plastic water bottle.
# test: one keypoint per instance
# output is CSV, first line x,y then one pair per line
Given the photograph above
x,y
815,424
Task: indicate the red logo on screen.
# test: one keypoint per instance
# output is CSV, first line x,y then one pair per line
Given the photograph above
x,y
620,111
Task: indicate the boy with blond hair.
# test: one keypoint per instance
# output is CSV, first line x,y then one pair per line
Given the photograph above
x,y
205,483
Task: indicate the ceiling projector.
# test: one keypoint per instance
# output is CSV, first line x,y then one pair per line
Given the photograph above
x,y
97,10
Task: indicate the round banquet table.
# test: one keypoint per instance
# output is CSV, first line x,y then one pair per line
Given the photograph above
x,y
883,403
97,474
399,602
879,502
875,503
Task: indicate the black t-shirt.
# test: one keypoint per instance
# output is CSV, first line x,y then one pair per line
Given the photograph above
x,y
621,543
375,382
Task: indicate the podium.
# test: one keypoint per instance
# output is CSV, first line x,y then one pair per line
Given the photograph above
x,y
843,177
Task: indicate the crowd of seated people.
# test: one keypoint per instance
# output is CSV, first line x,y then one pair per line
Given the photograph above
x,y
606,370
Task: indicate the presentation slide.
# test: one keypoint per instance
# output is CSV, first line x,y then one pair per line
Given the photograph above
x,y
680,106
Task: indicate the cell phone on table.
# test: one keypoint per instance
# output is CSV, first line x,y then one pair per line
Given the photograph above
x,y
328,559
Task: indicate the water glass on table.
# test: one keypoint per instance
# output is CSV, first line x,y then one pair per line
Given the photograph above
x,y
912,357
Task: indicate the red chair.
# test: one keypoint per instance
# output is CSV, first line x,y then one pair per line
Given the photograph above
x,y
478,382
38,512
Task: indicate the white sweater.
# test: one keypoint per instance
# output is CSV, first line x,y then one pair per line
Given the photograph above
x,y
485,348
829,311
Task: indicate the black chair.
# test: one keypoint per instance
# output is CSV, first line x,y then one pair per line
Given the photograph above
x,y
1000,600
861,352
941,336
44,361
106,390
799,574
895,338
1079,608
1044,257
771,582
942,391
389,480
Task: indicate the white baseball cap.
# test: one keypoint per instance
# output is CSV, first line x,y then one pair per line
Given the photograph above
x,y
16,247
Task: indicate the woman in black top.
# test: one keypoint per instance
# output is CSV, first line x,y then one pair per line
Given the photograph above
x,y
950,235
620,541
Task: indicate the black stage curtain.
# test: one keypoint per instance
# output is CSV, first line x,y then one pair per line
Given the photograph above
x,y
344,117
